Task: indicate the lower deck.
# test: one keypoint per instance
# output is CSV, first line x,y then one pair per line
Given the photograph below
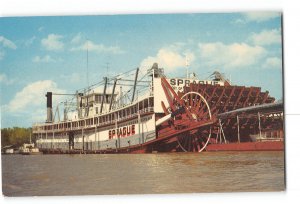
x,y
134,132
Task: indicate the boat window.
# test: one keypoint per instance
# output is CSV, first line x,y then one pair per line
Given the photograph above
x,y
146,103
98,98
151,102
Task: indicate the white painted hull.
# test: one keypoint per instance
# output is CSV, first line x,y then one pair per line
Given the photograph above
x,y
101,138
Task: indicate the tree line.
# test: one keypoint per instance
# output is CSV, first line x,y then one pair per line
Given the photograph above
x,y
15,136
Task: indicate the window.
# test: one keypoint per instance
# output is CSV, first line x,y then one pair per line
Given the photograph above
x,y
146,103
98,98
151,102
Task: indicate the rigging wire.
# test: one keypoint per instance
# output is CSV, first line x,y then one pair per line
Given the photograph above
x,y
121,77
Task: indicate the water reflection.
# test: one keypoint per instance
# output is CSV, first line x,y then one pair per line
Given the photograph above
x,y
142,173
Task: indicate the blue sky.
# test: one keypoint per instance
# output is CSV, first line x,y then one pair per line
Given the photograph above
x,y
40,54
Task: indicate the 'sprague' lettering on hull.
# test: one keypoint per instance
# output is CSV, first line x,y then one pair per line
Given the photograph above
x,y
178,84
122,132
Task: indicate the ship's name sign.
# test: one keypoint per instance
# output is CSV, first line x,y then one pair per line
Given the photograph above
x,y
178,84
122,131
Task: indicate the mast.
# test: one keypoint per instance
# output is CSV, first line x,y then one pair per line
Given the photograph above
x,y
87,64
134,86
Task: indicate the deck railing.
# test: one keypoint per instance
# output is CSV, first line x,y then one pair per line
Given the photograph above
x,y
42,128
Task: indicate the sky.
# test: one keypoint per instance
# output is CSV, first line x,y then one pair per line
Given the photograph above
x,y
40,54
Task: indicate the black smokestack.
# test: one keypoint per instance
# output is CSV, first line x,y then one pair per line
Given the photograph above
x,y
49,107
49,99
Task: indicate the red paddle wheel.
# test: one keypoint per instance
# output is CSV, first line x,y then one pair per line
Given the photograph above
x,y
188,118
196,140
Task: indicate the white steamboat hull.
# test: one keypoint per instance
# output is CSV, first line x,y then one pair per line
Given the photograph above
x,y
126,134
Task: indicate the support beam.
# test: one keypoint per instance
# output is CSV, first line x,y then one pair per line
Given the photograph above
x,y
259,125
52,135
134,86
218,135
256,97
104,93
222,132
228,99
238,98
248,96
113,93
238,127
219,100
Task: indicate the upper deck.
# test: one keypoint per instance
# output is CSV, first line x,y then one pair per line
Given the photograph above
x,y
122,114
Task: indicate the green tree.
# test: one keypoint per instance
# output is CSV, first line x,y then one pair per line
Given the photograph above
x,y
15,136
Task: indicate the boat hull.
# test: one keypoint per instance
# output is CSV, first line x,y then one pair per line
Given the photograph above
x,y
248,146
32,153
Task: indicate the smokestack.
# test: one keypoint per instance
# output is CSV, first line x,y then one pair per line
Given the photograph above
x,y
49,107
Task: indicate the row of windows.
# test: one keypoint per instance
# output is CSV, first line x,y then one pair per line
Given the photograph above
x,y
143,106
144,119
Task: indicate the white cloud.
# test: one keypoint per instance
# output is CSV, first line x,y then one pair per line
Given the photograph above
x,y
77,39
91,46
170,58
73,78
234,55
40,29
238,21
266,37
2,77
53,42
4,42
5,80
30,41
39,115
2,54
260,16
46,59
273,63
32,96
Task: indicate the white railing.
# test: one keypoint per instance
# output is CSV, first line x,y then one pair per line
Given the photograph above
x,y
39,128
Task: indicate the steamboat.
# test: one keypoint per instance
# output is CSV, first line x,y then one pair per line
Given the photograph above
x,y
152,113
